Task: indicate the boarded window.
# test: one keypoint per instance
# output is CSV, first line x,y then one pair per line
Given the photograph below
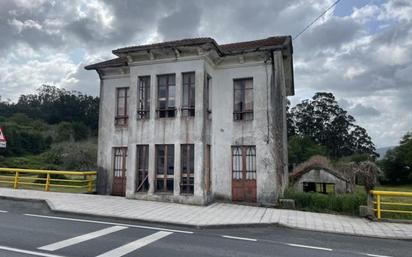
x,y
164,168
122,96
188,166
166,95
324,188
143,105
142,164
244,162
243,99
188,99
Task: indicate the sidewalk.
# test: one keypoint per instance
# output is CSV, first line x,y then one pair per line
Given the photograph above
x,y
217,214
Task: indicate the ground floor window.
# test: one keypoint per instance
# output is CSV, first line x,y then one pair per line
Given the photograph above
x,y
164,168
142,164
324,188
188,165
244,163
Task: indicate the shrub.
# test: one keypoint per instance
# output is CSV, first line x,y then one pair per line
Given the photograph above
x,y
331,203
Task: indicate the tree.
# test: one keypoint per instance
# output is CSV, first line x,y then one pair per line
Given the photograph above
x,y
300,149
291,128
326,123
397,163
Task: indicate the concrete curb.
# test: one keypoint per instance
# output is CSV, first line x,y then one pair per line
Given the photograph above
x,y
53,209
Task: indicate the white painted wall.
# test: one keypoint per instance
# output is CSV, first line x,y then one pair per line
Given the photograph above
x,y
221,132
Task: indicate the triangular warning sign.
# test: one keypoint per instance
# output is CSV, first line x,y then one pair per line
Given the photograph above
x,y
2,137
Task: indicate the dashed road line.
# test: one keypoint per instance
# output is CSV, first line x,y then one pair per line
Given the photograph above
x,y
240,238
310,247
376,255
3,211
132,246
109,223
16,250
82,238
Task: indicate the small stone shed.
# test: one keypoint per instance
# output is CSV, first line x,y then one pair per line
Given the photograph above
x,y
321,180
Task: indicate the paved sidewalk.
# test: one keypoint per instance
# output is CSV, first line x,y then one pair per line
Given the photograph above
x,y
217,214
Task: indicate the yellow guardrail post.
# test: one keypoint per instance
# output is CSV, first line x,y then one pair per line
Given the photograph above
x,y
90,184
378,206
16,180
47,187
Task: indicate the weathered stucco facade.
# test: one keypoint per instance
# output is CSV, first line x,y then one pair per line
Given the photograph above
x,y
212,130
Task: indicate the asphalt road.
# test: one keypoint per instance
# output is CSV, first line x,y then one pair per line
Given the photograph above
x,y
30,229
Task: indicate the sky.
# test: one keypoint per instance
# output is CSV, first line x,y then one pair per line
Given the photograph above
x,y
361,50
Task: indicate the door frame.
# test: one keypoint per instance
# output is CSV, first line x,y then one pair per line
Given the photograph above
x,y
119,187
244,190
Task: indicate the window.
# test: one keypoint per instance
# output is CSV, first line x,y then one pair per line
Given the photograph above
x,y
208,93
244,162
166,91
165,155
188,99
324,188
143,103
142,159
188,167
243,99
121,106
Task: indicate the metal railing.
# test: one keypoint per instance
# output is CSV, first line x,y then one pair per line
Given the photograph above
x,y
70,180
376,202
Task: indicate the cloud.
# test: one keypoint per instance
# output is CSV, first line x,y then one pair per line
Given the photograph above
x,y
364,58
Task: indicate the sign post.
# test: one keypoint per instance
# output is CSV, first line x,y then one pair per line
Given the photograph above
x,y
3,141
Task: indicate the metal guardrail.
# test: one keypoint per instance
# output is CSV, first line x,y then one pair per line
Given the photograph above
x,y
375,202
44,178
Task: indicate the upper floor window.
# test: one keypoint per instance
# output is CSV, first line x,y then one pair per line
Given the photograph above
x,y
166,95
122,96
143,104
188,99
243,99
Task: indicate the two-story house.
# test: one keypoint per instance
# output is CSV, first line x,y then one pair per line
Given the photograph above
x,y
192,121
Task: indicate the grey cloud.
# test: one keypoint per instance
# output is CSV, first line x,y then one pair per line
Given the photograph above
x,y
181,23
362,110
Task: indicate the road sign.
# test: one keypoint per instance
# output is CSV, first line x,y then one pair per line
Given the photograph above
x,y
3,141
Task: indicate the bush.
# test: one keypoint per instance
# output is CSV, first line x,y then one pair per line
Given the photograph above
x,y
331,203
73,156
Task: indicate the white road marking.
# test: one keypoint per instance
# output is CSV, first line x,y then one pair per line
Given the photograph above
x,y
3,211
110,223
376,255
132,246
311,247
241,238
79,239
16,250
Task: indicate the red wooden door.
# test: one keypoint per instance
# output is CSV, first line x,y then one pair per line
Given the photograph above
x,y
244,173
119,171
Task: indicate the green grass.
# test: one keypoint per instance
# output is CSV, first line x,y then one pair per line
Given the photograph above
x,y
347,204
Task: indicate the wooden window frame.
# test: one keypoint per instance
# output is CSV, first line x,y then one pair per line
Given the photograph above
x,y
142,168
143,98
246,161
188,110
121,119
169,111
242,113
320,187
164,176
187,178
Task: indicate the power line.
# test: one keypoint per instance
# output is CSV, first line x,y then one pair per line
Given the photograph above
x,y
317,18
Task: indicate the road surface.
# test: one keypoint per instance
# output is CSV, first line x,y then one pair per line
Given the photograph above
x,y
30,229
